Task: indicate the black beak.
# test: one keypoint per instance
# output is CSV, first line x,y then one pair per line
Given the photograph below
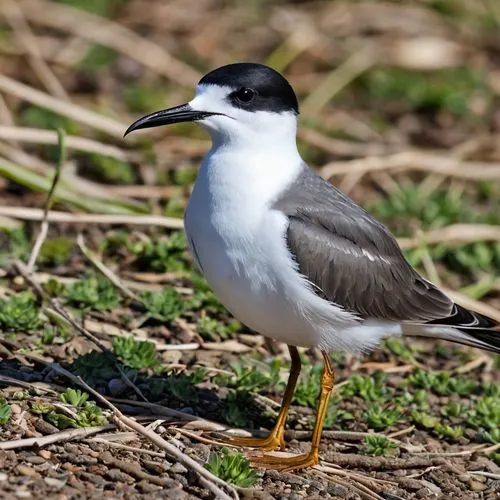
x,y
182,113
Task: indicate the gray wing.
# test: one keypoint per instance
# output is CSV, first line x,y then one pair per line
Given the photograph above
x,y
353,259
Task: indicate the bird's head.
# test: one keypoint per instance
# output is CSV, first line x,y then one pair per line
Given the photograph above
x,y
243,103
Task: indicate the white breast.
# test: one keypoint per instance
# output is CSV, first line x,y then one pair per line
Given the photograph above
x,y
239,244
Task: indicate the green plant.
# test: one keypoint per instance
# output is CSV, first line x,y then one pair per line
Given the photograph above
x,y
232,467
368,388
449,432
74,397
56,251
378,418
135,353
250,378
454,409
110,170
213,329
167,254
97,294
52,334
237,404
20,313
378,446
308,386
89,415
5,411
165,306
423,419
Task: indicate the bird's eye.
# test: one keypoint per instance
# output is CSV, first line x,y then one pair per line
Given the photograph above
x,y
244,94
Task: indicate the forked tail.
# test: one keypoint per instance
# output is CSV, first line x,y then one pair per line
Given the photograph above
x,y
461,326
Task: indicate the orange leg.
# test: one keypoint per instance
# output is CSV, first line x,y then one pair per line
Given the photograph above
x,y
311,458
275,440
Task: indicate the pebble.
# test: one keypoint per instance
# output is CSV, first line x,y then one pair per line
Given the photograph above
x,y
178,468
35,460
147,487
16,409
175,494
476,485
118,475
46,454
3,476
25,470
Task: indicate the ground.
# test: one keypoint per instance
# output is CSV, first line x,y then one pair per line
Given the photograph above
x,y
120,372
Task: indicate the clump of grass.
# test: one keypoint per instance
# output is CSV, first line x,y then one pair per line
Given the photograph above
x,y
14,244
250,378
52,334
441,383
236,412
97,370
368,388
56,251
166,305
20,313
5,411
74,397
88,415
232,467
378,446
95,294
454,432
135,353
308,386
378,418
110,170
167,254
212,329
178,385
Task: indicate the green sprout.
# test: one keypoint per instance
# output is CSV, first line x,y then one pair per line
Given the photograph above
x,y
232,467
97,294
378,446
368,388
135,353
165,306
5,411
74,397
20,313
449,431
237,404
378,418
162,255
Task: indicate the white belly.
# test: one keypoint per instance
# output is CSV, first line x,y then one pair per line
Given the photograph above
x,y
244,269
239,243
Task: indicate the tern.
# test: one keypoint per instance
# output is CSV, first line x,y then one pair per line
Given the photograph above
x,y
287,253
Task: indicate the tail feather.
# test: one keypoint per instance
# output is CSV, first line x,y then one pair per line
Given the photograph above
x,y
461,326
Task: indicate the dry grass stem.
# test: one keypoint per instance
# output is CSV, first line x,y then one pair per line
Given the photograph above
x,y
70,110
213,482
35,214
15,17
110,34
42,136
418,161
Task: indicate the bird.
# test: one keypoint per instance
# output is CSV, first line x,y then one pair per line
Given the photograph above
x,y
290,255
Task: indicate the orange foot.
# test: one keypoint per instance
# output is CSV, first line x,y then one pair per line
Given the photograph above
x,y
269,443
285,464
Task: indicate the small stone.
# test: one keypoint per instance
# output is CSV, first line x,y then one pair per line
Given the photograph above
x,y
118,475
476,485
463,477
178,468
35,460
147,487
3,477
70,467
25,470
16,409
175,494
55,483
46,454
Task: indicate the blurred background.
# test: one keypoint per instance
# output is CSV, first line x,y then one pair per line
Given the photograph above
x,y
400,108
